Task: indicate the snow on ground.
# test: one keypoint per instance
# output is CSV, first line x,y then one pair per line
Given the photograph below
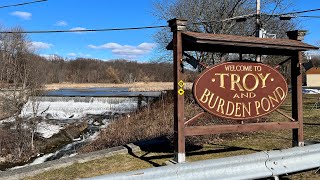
x,y
72,109
311,91
47,130
7,120
41,159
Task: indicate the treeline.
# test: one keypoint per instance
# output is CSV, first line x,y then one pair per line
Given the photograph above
x,y
84,70
20,67
31,68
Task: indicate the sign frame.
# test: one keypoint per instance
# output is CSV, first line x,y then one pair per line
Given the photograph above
x,y
191,41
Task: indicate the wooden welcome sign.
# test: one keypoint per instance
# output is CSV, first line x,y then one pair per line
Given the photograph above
x,y
236,90
240,90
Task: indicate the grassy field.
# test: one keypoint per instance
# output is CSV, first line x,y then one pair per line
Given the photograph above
x,y
199,148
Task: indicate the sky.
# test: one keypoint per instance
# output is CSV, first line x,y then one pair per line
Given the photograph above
x,y
99,14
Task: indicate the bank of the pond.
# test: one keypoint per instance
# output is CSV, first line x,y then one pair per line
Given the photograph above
x,y
156,121
65,124
45,146
33,170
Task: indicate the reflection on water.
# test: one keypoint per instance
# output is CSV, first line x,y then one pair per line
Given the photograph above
x,y
100,92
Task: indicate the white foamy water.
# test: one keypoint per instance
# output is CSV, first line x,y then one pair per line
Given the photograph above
x,y
56,112
78,108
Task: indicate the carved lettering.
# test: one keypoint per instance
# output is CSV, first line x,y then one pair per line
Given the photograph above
x,y
240,90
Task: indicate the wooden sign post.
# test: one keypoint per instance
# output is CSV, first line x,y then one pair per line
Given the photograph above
x,y
237,90
179,138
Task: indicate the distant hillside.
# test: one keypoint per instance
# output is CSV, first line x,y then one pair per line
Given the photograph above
x,y
84,70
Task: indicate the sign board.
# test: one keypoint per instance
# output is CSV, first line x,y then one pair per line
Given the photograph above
x,y
240,90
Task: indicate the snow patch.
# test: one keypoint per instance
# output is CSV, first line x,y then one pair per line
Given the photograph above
x,y
47,130
41,159
311,91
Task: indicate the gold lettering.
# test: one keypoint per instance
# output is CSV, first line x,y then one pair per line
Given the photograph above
x,y
264,99
257,104
205,95
252,95
263,78
214,104
275,98
236,96
235,80
244,95
220,105
237,110
245,84
222,78
229,67
228,107
247,109
283,95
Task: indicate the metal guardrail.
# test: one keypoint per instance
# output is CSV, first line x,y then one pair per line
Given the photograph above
x,y
252,166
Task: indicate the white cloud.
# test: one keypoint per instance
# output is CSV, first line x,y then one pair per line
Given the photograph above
x,y
61,23
77,29
106,46
72,54
21,14
126,50
147,46
49,56
84,55
36,45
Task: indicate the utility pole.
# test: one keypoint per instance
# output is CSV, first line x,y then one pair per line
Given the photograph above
x,y
258,26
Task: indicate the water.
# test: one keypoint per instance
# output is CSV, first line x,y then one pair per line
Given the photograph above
x,y
100,92
65,106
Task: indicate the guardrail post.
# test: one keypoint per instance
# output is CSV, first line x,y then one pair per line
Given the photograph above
x,y
139,103
296,86
178,25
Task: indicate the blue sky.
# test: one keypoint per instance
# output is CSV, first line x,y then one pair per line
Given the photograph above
x,y
86,14
98,14
312,25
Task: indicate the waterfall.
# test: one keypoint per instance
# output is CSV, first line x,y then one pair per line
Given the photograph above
x,y
62,108
66,106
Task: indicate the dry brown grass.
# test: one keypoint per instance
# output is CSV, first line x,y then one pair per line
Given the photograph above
x,y
137,86
151,122
94,168
142,125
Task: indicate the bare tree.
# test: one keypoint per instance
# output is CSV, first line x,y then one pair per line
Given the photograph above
x,y
216,17
22,77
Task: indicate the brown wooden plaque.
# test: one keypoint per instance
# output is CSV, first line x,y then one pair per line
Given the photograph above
x,y
240,90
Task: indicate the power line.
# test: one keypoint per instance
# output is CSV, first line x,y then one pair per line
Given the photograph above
x,y
22,4
299,12
254,15
288,17
308,16
149,27
82,30
227,19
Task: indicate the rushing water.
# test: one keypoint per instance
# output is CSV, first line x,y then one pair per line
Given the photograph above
x,y
66,106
